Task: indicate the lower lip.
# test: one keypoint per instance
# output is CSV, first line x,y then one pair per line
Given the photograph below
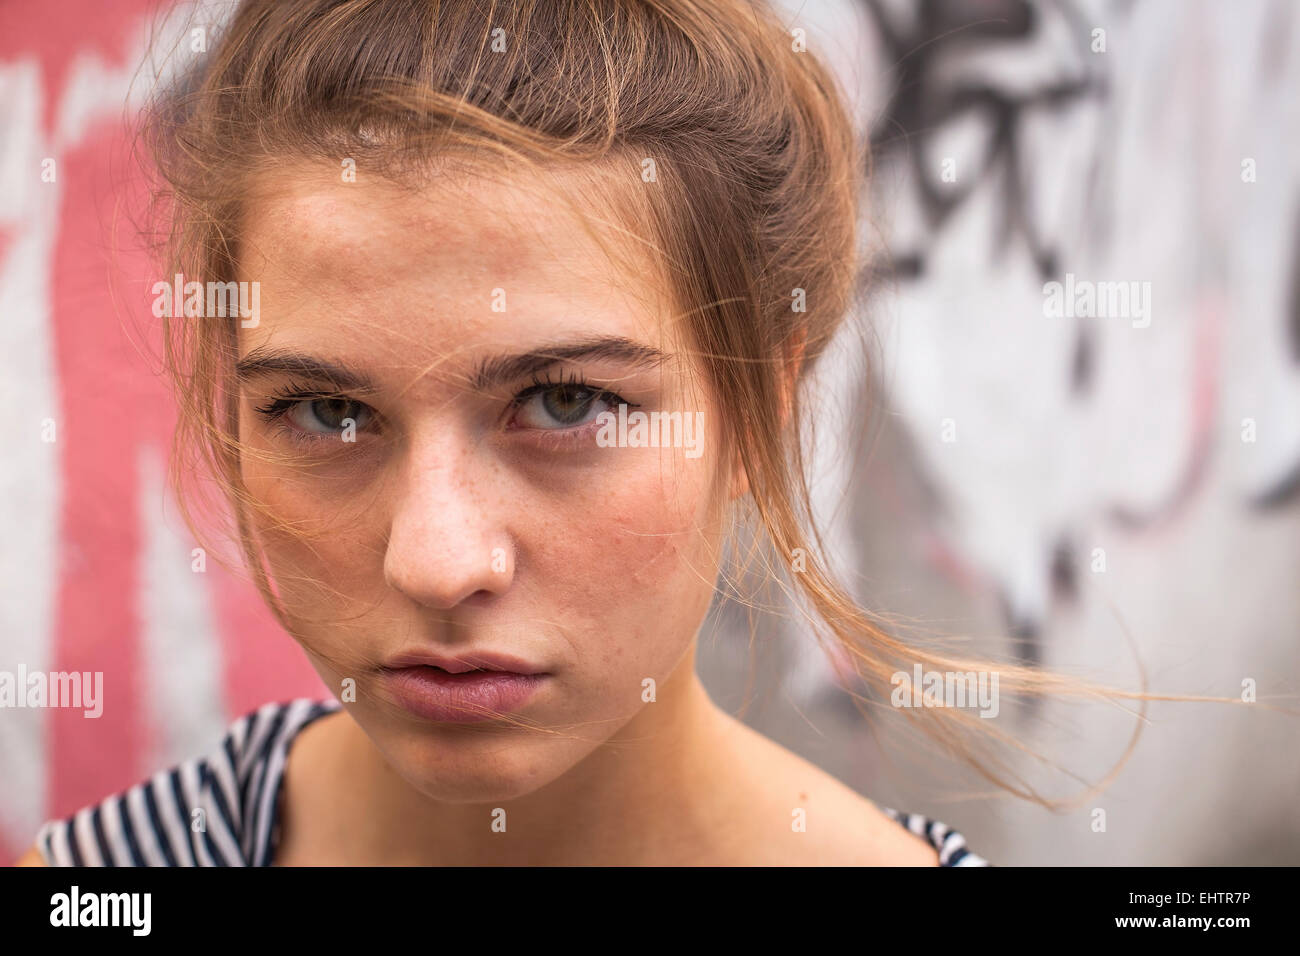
x,y
461,698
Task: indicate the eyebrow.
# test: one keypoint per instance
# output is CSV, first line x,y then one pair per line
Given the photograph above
x,y
495,370
503,369
263,362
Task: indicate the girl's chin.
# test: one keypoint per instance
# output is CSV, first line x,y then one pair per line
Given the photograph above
x,y
472,788
476,769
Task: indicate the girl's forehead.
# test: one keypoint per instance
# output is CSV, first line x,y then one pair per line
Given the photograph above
x,y
384,268
459,236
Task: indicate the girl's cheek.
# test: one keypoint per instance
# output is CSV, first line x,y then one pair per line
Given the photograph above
x,y
319,556
634,573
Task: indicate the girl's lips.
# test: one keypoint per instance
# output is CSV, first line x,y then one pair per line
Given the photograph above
x,y
461,698
461,663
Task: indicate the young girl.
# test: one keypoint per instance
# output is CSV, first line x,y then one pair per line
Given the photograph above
x,y
536,295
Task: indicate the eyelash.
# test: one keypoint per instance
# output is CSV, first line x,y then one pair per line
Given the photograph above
x,y
541,385
286,399
292,394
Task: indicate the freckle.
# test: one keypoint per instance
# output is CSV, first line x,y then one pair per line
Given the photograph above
x,y
803,796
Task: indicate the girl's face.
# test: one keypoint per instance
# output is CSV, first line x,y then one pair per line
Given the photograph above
x,y
450,498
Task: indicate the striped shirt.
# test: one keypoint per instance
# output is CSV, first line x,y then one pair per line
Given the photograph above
x,y
223,808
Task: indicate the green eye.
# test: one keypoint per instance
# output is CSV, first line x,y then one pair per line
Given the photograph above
x,y
567,404
553,407
309,418
332,413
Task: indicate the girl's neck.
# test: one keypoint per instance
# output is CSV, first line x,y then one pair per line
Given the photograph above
x,y
667,788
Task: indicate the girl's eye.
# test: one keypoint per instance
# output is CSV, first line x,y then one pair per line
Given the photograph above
x,y
324,415
319,417
545,406
568,405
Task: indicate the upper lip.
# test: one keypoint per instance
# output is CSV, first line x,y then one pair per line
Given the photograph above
x,y
463,662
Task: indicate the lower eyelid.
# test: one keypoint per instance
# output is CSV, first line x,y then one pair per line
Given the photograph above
x,y
301,435
560,438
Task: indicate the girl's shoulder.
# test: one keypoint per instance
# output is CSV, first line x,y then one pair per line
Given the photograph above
x,y
217,809
853,830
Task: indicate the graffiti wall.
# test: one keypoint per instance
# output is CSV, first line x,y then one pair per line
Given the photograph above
x,y
1082,359
97,568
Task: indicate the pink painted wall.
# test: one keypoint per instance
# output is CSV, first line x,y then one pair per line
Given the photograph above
x,y
97,573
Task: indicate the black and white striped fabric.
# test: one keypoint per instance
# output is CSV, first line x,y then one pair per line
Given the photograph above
x,y
951,845
222,809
